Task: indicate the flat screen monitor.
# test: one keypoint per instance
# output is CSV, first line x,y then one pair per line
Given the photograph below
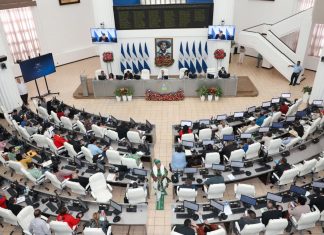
x,y
219,206
290,119
204,121
251,109
113,119
221,32
77,162
297,190
237,164
218,167
190,205
274,197
100,167
221,117
275,100
246,136
248,200
190,170
208,142
188,144
37,67
264,129
148,124
116,206
132,121
266,104
101,35
228,137
186,123
139,172
301,114
277,125
238,114
318,102
286,95
318,184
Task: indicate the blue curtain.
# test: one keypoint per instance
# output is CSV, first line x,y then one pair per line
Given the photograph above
x,y
126,2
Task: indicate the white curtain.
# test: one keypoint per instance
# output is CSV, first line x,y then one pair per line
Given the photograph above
x,y
19,27
305,4
317,42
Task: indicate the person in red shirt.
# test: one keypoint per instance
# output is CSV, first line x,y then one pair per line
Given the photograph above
x,y
185,130
59,113
64,216
58,140
3,201
283,108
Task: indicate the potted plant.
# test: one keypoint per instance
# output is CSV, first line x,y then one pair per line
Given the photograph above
x,y
202,92
129,94
118,94
211,93
307,91
123,92
219,93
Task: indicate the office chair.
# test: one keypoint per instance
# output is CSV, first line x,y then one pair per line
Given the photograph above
x,y
182,72
55,182
250,229
125,71
76,188
288,177
187,194
215,191
96,231
100,190
321,124
98,131
321,219
71,151
113,156
175,233
319,166
42,113
16,167
253,151
306,221
31,178
24,134
8,217
267,121
98,72
57,121
275,117
82,128
166,73
136,195
274,147
205,134
306,134
57,151
291,144
15,125
88,155
225,131
40,140
131,163
61,228
245,189
113,135
25,216
188,137
8,119
306,168
210,159
212,71
252,129
145,74
276,226
236,155
292,110
134,137
299,102
219,231
314,125
67,123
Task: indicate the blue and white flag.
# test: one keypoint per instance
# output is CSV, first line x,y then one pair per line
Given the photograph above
x,y
180,65
122,51
193,49
192,68
140,66
146,66
204,66
187,50
134,51
146,51
186,65
140,50
198,66
206,51
128,66
135,69
199,49
181,55
122,67
128,51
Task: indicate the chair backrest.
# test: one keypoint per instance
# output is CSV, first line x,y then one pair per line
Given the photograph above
x,y
245,189
237,155
307,167
205,134
60,228
113,135
125,71
314,125
40,140
252,129
24,134
288,176
25,216
174,232
93,231
319,165
134,137
308,220
8,216
188,137
136,195
52,146
187,194
306,133
98,131
28,175
266,121
8,118
15,124
98,72
226,131
274,146
76,187
292,110
216,191
87,154
67,123
212,70
54,180
293,142
129,162
253,151
70,150
113,157
81,127
212,158
276,116
16,166
145,74
166,72
252,229
219,231
299,102
97,182
181,72
276,226
56,120
42,112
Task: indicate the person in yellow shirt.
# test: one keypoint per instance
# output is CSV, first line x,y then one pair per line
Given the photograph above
x,y
23,160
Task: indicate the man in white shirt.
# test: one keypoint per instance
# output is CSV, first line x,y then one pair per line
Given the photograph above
x,y
38,226
22,89
297,69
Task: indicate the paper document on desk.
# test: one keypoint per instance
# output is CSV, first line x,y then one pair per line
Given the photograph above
x,y
111,177
251,118
231,177
227,210
47,163
188,152
20,199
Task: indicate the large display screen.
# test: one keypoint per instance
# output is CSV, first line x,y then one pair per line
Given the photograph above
x,y
37,67
221,32
163,16
101,35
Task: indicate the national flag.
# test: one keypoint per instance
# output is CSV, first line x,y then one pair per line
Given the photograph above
x,y
146,51
206,49
140,50
122,51
146,66
96,36
180,65
122,67
204,65
187,50
199,49
181,51
198,66
194,48
128,51
135,69
140,66
192,68
186,65
128,66
134,51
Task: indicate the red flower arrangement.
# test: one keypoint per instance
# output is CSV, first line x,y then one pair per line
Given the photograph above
x,y
164,61
219,54
155,96
108,57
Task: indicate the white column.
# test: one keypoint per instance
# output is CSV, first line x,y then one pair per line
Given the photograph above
x,y
9,96
318,88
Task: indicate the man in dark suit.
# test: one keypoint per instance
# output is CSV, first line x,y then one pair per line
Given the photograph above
x,y
249,218
102,76
122,130
187,228
318,201
223,74
103,38
220,35
230,146
272,213
299,129
282,166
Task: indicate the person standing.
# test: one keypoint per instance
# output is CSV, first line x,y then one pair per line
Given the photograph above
x,y
242,55
259,60
297,69
160,182
38,226
22,89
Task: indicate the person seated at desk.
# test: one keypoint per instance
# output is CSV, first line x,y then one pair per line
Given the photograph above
x,y
179,160
95,149
73,140
135,156
185,130
245,128
246,145
83,181
48,132
128,75
16,116
266,139
98,222
64,216
217,179
122,129
58,139
271,213
316,114
188,228
298,128
223,74
220,35
250,218
111,76
30,128
11,155
38,226
188,184
206,227
227,150
279,168
59,113
261,118
162,75
63,174
318,201
11,205
283,108
220,127
102,76
34,171
23,160
299,208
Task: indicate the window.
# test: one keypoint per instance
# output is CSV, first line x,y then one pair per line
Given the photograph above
x,y
317,42
305,4
19,27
